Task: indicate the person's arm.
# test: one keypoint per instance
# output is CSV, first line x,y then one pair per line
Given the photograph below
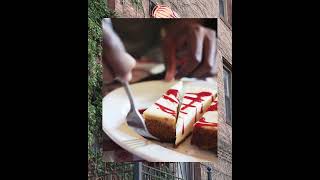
x,y
116,61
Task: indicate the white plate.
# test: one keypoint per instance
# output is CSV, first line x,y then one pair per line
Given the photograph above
x,y
115,108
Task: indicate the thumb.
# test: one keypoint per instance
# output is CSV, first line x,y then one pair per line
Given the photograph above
x,y
131,63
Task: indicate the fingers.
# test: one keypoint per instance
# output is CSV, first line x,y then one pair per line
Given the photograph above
x,y
131,64
118,65
195,47
169,51
208,64
187,68
174,44
123,69
193,51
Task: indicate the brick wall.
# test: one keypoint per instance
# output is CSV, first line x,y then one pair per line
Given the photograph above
x,y
224,166
125,9
185,8
193,8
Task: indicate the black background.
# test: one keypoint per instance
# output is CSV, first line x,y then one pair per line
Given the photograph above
x,y
44,89
274,91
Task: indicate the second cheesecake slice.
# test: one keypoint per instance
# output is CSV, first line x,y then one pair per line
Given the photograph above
x,y
195,102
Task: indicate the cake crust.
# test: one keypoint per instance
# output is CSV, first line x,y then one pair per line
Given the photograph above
x,y
205,137
164,129
205,131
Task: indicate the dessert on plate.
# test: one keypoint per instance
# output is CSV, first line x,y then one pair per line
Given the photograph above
x,y
204,133
172,117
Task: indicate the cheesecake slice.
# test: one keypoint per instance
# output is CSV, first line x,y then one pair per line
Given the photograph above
x,y
160,117
205,130
194,103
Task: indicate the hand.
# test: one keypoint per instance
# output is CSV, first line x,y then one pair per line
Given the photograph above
x,y
116,61
189,50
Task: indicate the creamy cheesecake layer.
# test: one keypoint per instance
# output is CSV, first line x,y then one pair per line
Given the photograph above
x,y
210,117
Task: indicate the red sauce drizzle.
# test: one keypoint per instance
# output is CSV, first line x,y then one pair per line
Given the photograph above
x,y
201,124
183,112
198,98
213,107
201,111
169,98
174,92
141,111
167,110
202,120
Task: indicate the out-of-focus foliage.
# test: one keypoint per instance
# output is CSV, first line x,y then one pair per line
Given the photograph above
x,y
97,10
